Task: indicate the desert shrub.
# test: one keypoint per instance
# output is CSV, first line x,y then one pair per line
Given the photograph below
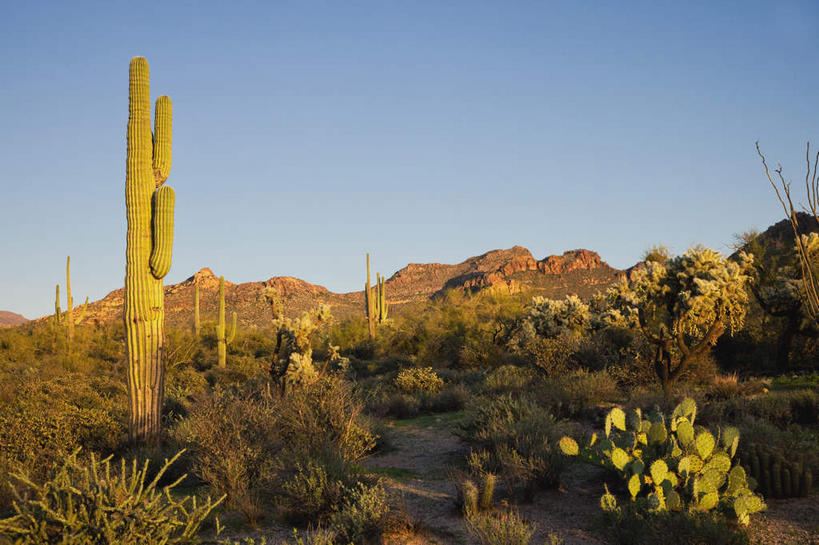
x,y
49,419
508,378
506,528
451,398
363,516
418,380
317,489
249,446
398,405
233,441
516,438
83,502
674,466
778,407
633,525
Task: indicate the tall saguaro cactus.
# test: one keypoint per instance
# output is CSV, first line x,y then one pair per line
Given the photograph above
x,y
223,338
369,303
381,305
149,240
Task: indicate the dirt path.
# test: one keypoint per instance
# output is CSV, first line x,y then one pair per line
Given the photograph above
x,y
418,470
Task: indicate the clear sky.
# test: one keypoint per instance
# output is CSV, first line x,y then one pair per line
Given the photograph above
x,y
307,133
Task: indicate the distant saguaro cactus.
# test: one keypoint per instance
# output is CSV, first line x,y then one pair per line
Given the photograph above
x,y
197,324
369,304
149,240
70,322
223,338
381,304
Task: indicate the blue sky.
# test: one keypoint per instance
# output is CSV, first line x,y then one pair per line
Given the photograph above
x,y
307,133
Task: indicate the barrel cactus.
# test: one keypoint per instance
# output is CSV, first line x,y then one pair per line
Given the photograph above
x,y
779,474
149,240
672,463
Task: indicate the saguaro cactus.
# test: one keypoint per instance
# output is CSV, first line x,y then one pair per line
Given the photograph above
x,y
223,338
369,303
149,240
380,299
197,324
70,322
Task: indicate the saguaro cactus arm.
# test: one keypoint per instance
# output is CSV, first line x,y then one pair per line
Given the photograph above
x,y
163,202
58,315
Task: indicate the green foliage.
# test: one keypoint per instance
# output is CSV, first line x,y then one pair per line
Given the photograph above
x,y
675,466
364,515
84,503
506,528
49,419
637,524
248,446
418,379
515,438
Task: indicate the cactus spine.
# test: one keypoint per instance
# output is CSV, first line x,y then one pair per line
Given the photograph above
x,y
224,338
197,325
369,303
149,240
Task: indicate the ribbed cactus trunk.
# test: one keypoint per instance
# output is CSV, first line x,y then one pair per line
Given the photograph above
x,y
149,210
197,324
221,341
369,303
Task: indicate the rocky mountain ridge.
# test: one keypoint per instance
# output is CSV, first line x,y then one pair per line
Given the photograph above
x,y
514,269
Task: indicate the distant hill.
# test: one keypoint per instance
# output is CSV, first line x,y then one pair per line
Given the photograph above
x,y
515,269
11,319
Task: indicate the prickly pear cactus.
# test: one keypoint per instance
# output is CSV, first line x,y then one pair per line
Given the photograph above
x,y
674,464
149,211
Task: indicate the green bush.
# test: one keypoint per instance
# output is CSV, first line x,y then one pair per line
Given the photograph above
x,y
84,503
363,517
418,380
506,528
49,419
233,441
316,490
248,446
638,525
517,439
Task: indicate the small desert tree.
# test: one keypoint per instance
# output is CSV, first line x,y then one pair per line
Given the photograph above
x,y
682,306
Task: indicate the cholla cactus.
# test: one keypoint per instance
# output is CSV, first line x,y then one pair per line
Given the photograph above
x,y
293,359
675,465
682,306
553,318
